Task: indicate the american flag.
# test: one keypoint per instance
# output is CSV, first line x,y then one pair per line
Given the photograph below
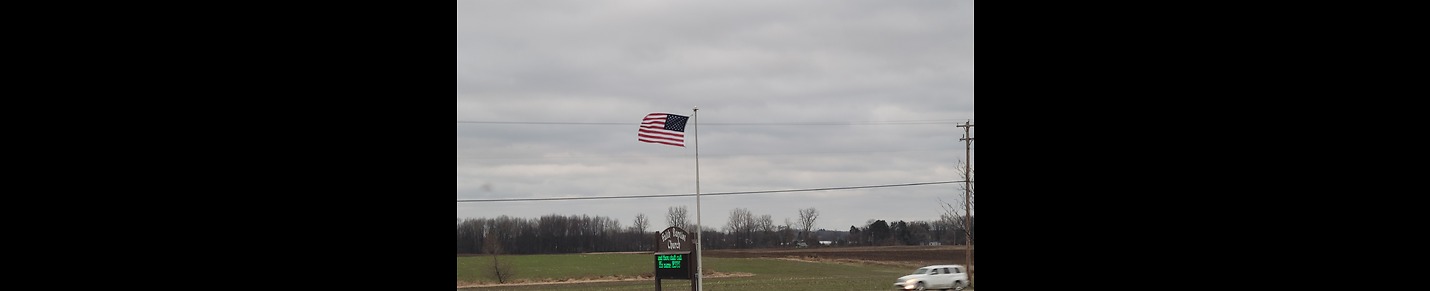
x,y
663,128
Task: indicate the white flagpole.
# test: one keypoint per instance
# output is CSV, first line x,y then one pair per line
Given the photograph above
x,y
699,235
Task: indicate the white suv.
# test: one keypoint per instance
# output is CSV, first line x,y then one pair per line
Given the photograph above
x,y
934,277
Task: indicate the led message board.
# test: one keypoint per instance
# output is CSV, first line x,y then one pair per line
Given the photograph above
x,y
673,265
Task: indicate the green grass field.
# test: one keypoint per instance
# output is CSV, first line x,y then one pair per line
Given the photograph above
x,y
556,267
770,274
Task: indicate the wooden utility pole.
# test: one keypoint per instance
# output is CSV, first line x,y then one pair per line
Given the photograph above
x,y
968,197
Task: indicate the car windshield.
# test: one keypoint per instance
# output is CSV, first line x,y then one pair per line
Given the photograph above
x,y
921,271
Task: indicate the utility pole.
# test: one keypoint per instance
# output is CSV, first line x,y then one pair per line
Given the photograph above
x,y
968,196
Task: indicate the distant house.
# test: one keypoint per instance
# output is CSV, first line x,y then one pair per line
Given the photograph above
x,y
826,243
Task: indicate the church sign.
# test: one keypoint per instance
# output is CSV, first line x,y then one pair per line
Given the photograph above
x,y
674,256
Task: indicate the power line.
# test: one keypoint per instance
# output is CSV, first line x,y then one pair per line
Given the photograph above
x,y
702,194
548,123
905,122
900,122
575,156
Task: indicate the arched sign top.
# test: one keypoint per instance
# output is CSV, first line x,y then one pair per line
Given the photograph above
x,y
675,239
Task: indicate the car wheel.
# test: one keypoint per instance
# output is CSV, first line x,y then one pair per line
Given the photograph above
x,y
958,286
920,287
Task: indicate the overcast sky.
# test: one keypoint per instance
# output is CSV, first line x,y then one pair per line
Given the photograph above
x,y
867,65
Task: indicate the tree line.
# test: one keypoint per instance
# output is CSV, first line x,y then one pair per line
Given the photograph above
x,y
550,234
554,234
946,231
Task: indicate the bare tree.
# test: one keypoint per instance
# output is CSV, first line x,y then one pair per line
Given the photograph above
x,y
964,216
640,224
765,225
806,221
955,220
742,226
502,271
787,234
676,217
958,213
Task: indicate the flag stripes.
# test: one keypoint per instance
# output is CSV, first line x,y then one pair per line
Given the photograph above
x,y
663,128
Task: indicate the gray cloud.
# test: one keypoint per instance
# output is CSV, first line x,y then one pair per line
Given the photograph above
x,y
741,62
